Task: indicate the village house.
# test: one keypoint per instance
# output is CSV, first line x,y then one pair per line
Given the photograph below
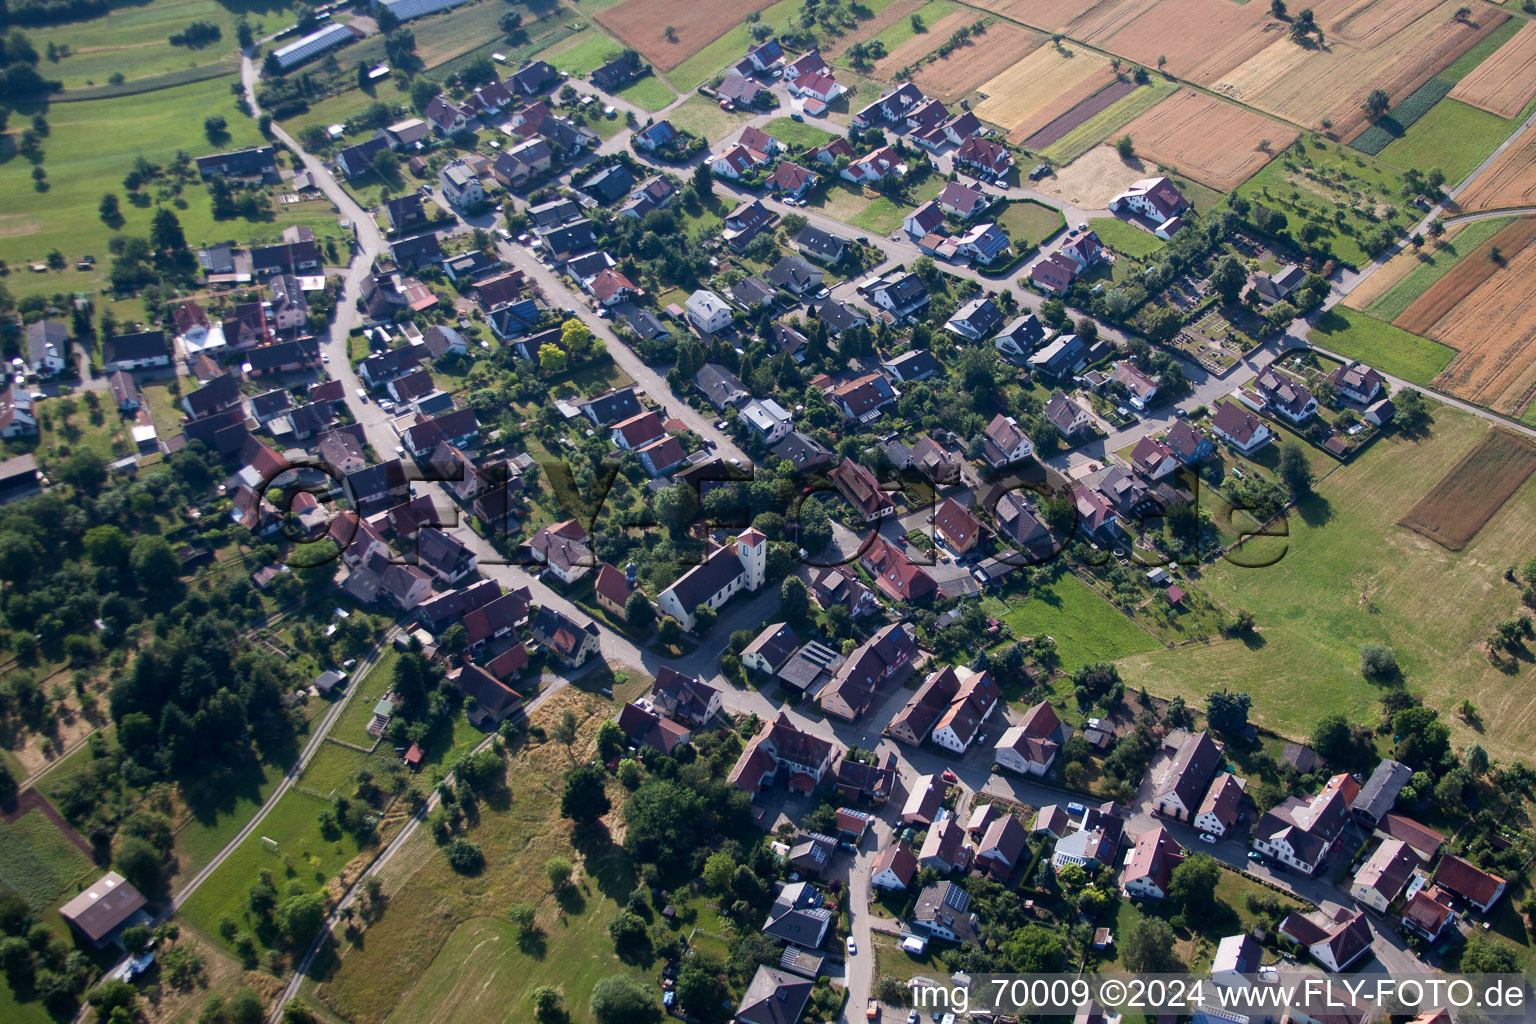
x,y
1239,427
896,575
1333,935
805,759
878,659
1179,793
1301,832
1149,868
1030,748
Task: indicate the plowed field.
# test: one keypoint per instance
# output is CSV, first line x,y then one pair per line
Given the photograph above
x,y
984,57
642,24
1211,141
1505,82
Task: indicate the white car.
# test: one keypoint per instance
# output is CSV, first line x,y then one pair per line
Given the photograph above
x,y
1206,837
853,949
325,357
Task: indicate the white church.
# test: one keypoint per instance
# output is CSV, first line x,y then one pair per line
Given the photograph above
x,y
738,565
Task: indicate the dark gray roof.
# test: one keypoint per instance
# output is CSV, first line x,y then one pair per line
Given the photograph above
x,y
822,243
1379,794
774,997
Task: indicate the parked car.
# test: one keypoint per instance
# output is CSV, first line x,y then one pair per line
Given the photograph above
x,y
796,116
1206,837
1076,808
853,947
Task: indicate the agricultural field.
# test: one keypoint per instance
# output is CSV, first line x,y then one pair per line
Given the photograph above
x,y
1015,97
905,46
40,864
1085,129
1324,175
411,963
1390,349
1126,238
1410,274
884,14
134,41
1505,82
643,25
1452,137
1453,512
1401,117
1347,574
1213,142
707,61
459,37
981,58
1508,183
1480,309
91,145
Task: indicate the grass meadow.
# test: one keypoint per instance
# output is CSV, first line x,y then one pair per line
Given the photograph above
x,y
1390,349
1135,242
1087,628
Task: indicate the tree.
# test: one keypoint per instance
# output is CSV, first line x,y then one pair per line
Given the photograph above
x,y
1376,104
1193,886
1332,738
1147,947
585,798
1378,662
718,870
522,915
703,619
1277,8
627,930
1227,712
139,863
552,358
669,632
107,546
1412,411
216,128
155,565
165,232
546,1004
299,917
1228,278
558,871
510,23
638,610
465,857
110,211
623,999
701,986
423,92
1295,471
1125,147
576,337
794,600
1033,949
1484,955
386,164
704,181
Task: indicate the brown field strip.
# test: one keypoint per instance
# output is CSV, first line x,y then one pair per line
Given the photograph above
x,y
1062,105
1457,507
640,23
923,43
1505,82
1493,330
1210,140
1508,183
1081,112
1443,296
982,58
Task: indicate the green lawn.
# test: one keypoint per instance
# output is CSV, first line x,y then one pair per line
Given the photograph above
x,y
1108,121
1028,223
135,40
703,117
1453,136
1390,349
1345,575
797,133
1087,628
650,93
209,830
303,861
708,62
584,52
334,768
1434,263
900,30
1322,174
90,147
1129,239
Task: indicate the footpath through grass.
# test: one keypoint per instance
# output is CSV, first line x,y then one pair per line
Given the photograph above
x,y
1392,350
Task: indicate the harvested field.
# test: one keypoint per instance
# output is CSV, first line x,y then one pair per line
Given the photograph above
x,y
1031,85
1385,278
640,23
1508,183
1493,329
1211,141
1399,49
1100,100
1094,178
882,20
923,43
981,58
1505,82
1475,489
1470,274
